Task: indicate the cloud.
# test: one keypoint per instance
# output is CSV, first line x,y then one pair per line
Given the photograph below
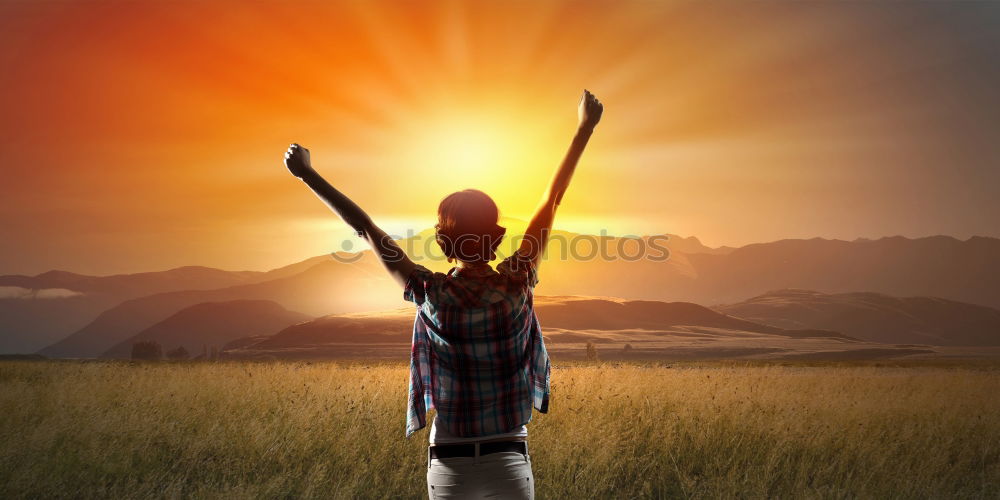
x,y
16,292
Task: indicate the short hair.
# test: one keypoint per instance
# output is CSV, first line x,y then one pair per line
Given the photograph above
x,y
467,226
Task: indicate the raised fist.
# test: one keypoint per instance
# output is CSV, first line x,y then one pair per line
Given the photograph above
x,y
297,160
590,110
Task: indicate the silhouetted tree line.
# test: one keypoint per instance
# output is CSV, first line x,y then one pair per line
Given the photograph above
x,y
151,350
147,350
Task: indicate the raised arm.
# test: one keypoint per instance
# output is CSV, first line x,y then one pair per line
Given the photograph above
x,y
537,234
395,261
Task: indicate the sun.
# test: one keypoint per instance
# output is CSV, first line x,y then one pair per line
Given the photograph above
x,y
500,151
464,145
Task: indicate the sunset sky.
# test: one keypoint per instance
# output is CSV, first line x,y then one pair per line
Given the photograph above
x,y
139,136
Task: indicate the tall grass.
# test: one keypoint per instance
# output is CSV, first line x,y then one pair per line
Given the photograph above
x,y
279,430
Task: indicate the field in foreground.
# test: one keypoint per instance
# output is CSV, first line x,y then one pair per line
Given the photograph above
x,y
267,430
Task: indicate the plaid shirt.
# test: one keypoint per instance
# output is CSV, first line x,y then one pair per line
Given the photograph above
x,y
477,354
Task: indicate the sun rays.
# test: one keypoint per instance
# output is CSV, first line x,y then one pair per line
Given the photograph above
x,y
737,122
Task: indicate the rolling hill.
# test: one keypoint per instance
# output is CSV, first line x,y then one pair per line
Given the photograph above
x,y
212,324
876,317
651,328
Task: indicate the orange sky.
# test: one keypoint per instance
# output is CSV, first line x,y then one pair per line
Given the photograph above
x,y
142,136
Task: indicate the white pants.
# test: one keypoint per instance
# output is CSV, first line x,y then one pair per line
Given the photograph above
x,y
497,475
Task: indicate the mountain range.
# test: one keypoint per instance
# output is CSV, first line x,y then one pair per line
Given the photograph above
x,y
875,317
36,311
620,329
568,324
211,324
63,314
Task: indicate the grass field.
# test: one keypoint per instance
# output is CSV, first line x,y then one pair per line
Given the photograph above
x,y
278,430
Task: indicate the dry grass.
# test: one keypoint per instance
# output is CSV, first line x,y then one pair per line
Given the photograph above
x,y
266,430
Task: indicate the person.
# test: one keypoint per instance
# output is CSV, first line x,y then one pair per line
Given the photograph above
x,y
477,357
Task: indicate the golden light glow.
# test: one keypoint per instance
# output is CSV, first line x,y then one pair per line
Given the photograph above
x,y
147,135
491,150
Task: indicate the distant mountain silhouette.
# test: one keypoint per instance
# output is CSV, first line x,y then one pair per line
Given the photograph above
x,y
29,324
317,290
937,266
212,324
123,286
967,271
563,318
876,317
